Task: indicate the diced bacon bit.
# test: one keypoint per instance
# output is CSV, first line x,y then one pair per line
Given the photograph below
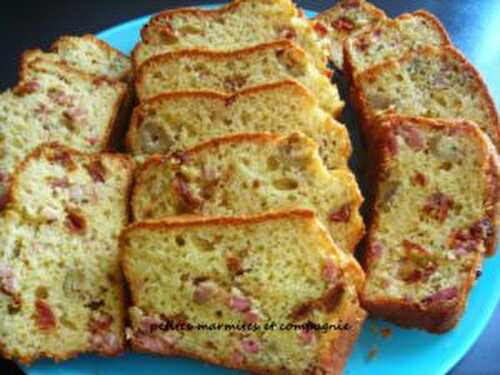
x,y
437,206
8,282
75,222
412,137
100,323
204,291
43,109
250,317
330,271
307,336
27,88
234,83
233,264
333,297
343,24
101,338
97,171
416,275
239,304
251,345
483,229
375,249
413,246
101,80
149,324
237,358
181,188
4,200
441,296
92,140
463,242
301,311
392,144
342,214
60,97
419,179
75,115
62,183
288,32
44,316
64,158
320,29
155,344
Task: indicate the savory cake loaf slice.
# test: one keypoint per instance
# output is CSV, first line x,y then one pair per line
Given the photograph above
x,y
175,121
61,288
391,39
87,54
347,17
229,72
237,25
433,220
430,82
55,103
250,173
269,293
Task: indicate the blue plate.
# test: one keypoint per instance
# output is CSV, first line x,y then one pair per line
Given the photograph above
x,y
408,352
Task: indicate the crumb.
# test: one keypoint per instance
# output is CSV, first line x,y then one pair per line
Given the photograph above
x,y
386,332
372,353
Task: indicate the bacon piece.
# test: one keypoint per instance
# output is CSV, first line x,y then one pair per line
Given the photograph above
x,y
330,271
234,83
437,206
419,179
333,297
97,171
60,183
101,338
251,345
233,264
60,97
75,115
375,249
307,336
44,316
483,229
412,137
342,214
64,158
442,295
320,29
204,291
301,311
240,304
8,282
343,24
250,317
26,88
181,188
75,222
149,324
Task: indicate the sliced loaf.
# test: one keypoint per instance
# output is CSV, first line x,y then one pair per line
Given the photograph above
x,y
430,82
61,288
172,122
433,220
391,39
347,17
246,174
229,72
55,103
237,25
270,281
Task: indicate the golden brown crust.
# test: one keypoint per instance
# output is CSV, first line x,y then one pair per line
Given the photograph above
x,y
213,55
367,116
138,112
438,318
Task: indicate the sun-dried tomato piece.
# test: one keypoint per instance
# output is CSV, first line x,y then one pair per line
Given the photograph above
x,y
44,316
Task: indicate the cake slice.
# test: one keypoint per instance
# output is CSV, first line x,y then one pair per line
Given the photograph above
x,y
246,174
344,19
87,54
429,82
175,121
433,220
228,72
237,25
391,39
55,103
61,288
269,281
